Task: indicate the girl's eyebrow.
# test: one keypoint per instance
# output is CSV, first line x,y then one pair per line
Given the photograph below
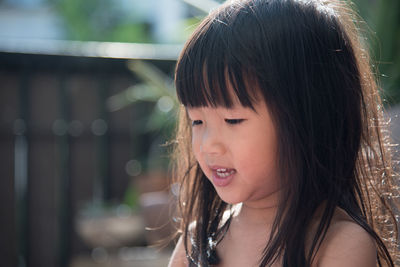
x,y
241,109
192,109
233,111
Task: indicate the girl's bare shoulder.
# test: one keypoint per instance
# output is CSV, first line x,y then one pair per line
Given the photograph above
x,y
178,258
346,244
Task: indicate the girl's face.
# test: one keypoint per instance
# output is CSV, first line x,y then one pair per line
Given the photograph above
x,y
237,149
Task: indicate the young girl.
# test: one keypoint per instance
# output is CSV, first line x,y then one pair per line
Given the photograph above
x,y
281,155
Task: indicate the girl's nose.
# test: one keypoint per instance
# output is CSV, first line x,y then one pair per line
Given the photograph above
x,y
212,143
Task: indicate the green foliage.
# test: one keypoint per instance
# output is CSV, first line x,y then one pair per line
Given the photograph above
x,y
131,197
383,17
130,33
388,32
189,25
100,20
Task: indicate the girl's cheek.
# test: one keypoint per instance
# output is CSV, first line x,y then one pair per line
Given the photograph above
x,y
195,144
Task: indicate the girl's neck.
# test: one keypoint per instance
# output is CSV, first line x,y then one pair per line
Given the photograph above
x,y
260,212
254,216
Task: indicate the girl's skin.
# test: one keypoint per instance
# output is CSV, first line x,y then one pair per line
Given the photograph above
x,y
234,142
243,143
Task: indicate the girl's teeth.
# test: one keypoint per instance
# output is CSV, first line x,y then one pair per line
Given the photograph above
x,y
222,173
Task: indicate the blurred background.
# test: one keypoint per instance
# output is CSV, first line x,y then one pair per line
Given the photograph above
x,y
87,110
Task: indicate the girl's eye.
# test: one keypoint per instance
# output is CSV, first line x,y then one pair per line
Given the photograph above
x,y
234,121
196,122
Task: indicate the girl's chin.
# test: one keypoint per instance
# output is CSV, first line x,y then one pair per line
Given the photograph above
x,y
223,187
228,198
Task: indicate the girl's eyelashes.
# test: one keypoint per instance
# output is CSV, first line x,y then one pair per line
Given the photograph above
x,y
228,121
196,122
234,121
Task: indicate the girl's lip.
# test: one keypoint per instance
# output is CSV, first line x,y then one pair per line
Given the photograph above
x,y
216,167
222,181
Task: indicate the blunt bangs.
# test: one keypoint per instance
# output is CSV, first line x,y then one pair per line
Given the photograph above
x,y
219,78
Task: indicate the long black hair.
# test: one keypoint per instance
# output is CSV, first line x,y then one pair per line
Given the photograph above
x,y
306,60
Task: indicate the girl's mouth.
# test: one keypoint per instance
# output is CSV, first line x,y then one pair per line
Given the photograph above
x,y
222,176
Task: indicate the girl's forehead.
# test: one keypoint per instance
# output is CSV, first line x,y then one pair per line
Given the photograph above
x,y
237,109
